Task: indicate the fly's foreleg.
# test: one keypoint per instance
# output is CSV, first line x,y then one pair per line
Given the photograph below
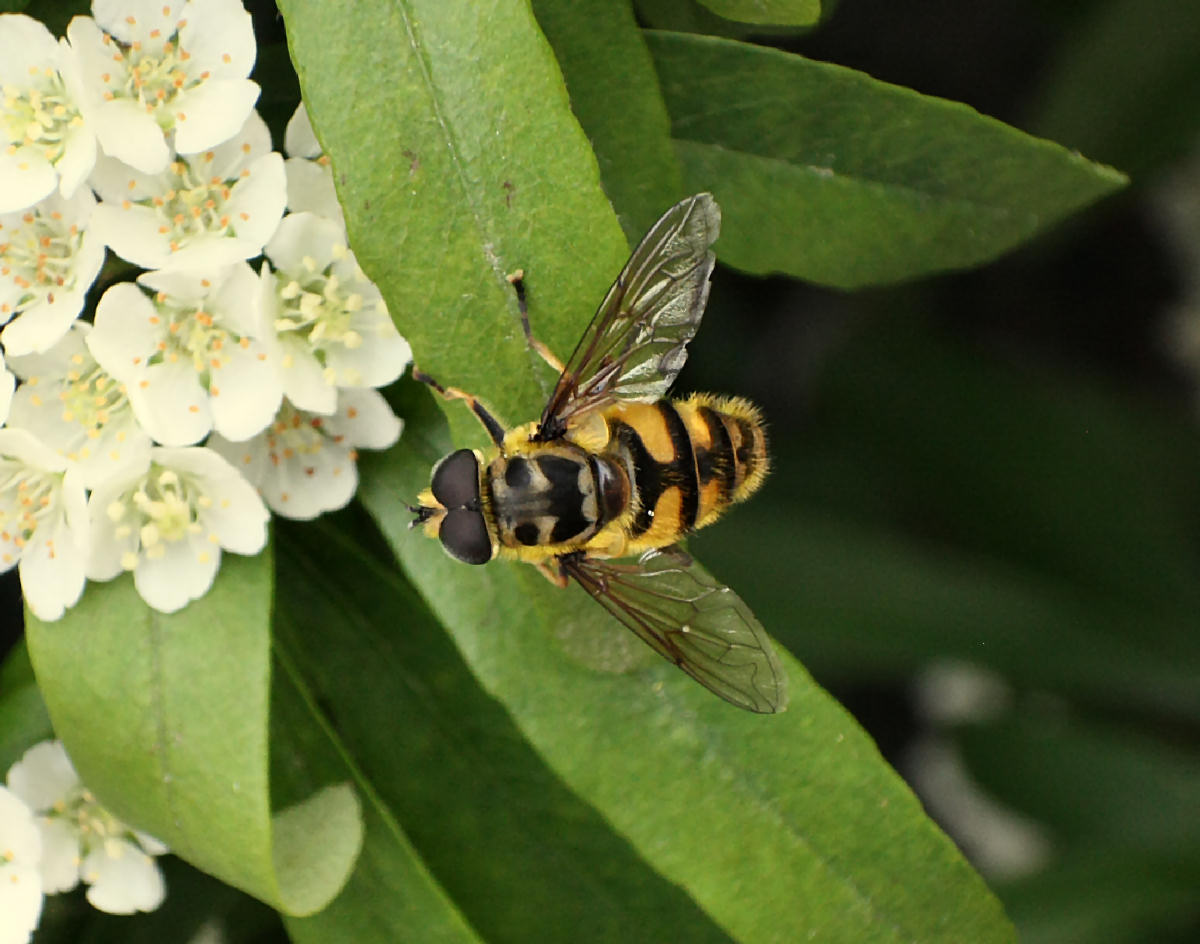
x,y
517,280
490,423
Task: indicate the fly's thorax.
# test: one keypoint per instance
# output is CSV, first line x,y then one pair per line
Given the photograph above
x,y
553,494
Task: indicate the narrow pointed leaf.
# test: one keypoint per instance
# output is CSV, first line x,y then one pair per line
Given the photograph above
x,y
459,163
779,12
620,109
833,176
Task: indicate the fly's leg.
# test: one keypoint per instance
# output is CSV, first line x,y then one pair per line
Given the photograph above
x,y
517,281
490,423
552,570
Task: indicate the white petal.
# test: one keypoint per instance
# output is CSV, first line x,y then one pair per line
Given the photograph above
x,y
310,188
304,235
257,201
171,405
246,393
132,233
217,29
106,549
77,161
126,333
25,44
20,839
22,445
168,583
304,380
154,847
8,383
60,856
43,776
25,178
251,142
251,457
130,134
379,360
237,296
215,111
305,486
20,904
52,568
124,883
209,251
237,515
20,881
41,326
114,15
299,139
364,418
115,181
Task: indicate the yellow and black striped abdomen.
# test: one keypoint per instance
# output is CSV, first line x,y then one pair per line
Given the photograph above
x,y
688,461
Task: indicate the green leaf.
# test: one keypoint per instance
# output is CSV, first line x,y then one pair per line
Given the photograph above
x,y
519,855
688,16
1124,84
620,109
829,175
718,805
165,717
390,895
451,179
783,12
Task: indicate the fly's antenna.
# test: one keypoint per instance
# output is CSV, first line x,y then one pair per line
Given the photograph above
x,y
422,514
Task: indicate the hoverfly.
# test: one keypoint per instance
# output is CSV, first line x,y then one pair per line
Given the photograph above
x,y
615,469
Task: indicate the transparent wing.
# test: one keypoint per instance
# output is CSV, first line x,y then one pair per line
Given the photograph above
x,y
636,344
690,619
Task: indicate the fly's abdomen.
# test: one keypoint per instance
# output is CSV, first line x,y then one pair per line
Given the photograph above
x,y
688,461
552,496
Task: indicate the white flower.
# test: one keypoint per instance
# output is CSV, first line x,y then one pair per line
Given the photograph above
x,y
309,176
44,141
332,327
77,409
304,464
20,881
43,523
204,211
168,520
190,357
81,840
49,258
157,73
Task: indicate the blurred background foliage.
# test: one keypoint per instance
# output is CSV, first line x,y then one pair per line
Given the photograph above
x,y
982,533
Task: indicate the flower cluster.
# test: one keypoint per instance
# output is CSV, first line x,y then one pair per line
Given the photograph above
x,y
54,835
147,435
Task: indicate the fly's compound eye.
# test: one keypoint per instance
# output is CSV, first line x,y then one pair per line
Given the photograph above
x,y
464,534
456,481
463,531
